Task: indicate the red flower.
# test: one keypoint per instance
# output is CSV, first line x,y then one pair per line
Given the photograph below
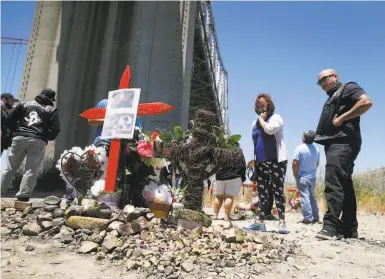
x,y
154,135
145,149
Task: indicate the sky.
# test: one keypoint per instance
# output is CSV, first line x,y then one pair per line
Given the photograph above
x,y
278,48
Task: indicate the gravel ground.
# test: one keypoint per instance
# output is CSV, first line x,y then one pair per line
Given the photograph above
x,y
363,258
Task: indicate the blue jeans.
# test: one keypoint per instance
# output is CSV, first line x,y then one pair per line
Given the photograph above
x,y
309,205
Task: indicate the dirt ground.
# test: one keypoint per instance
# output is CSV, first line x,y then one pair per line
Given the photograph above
x,y
362,258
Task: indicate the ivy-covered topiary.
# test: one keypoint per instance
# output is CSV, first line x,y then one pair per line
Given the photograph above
x,y
191,215
207,150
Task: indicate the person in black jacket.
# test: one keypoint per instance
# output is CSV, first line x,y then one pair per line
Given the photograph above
x,y
33,124
7,101
228,185
339,131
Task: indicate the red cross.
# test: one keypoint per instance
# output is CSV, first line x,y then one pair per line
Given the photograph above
x,y
96,116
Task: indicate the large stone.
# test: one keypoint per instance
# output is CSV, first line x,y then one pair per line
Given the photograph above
x,y
81,222
57,222
46,225
98,237
29,248
54,230
131,213
188,265
130,265
66,238
88,247
52,200
139,225
114,225
108,245
50,208
104,213
233,235
125,230
31,229
73,210
44,217
58,213
5,230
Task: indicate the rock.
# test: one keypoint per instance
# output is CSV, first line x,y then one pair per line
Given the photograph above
x,y
29,248
125,230
5,230
50,208
139,225
87,247
81,222
58,213
114,225
38,204
130,264
100,256
27,210
146,264
131,213
10,210
46,225
98,237
230,263
229,235
129,253
73,210
104,213
168,270
137,253
188,265
154,260
54,230
13,226
108,245
44,217
150,216
66,238
57,222
52,200
31,229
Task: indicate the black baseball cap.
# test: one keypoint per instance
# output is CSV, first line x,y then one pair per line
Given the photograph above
x,y
49,93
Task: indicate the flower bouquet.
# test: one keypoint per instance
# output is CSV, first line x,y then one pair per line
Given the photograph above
x,y
158,199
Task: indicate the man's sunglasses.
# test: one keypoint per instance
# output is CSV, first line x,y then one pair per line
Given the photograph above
x,y
323,79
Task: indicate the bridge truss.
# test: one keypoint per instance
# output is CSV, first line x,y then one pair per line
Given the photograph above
x,y
209,84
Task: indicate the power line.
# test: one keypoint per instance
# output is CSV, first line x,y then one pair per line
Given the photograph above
x,y
9,67
14,70
9,43
14,39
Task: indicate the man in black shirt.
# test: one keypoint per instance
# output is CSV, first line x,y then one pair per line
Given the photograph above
x,y
339,131
33,124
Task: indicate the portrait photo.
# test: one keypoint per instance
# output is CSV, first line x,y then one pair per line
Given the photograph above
x,y
122,99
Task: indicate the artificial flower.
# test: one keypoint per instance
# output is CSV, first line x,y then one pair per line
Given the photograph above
x,y
145,149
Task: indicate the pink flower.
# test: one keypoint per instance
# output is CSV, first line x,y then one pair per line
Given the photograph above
x,y
145,149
